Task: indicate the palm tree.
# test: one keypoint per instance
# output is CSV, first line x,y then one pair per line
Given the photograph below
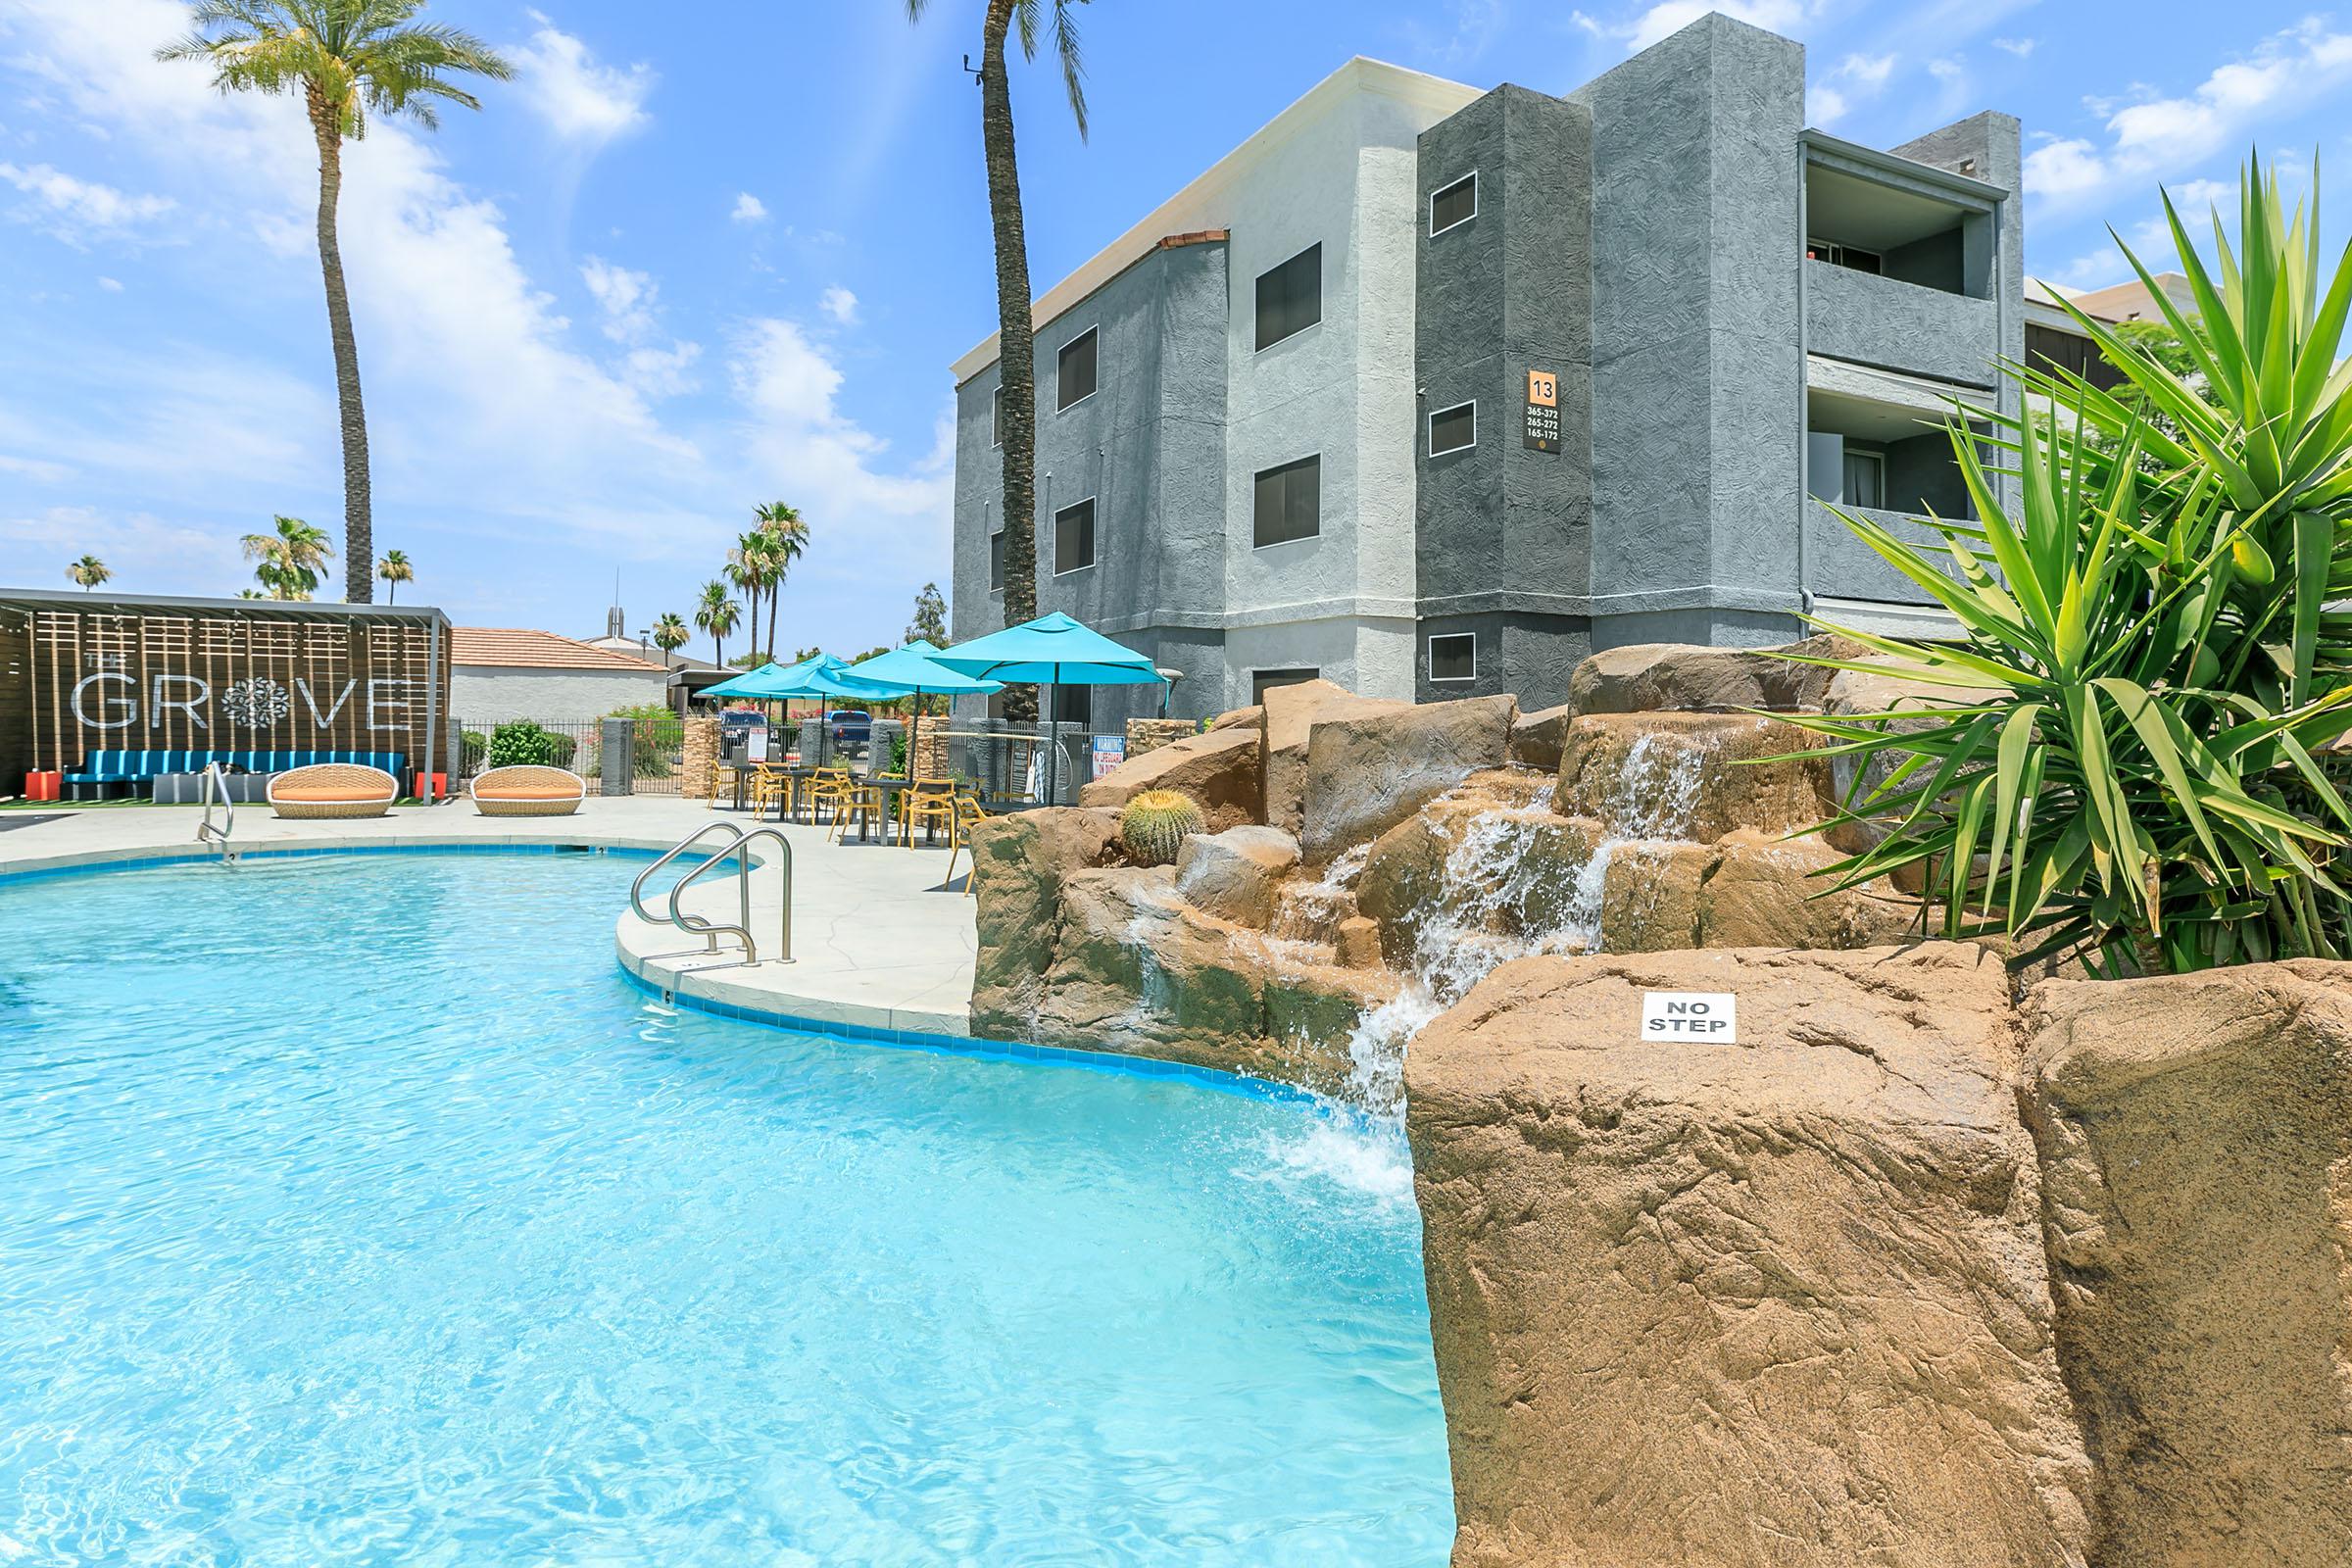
x,y
347,59
754,567
88,574
290,558
716,614
1015,350
783,524
670,635
395,569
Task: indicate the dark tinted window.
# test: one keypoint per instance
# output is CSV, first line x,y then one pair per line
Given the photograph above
x,y
1076,377
1263,681
1453,658
1451,430
1290,298
1074,537
1290,501
1457,203
996,418
996,562
2049,348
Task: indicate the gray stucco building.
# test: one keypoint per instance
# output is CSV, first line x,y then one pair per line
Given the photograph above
x,y
1431,392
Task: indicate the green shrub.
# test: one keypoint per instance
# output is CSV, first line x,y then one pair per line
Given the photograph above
x,y
521,742
1155,822
657,739
2155,622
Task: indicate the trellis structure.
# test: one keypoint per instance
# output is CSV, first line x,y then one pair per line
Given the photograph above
x,y
84,673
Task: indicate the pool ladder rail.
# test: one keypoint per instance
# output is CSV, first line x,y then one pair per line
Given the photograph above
x,y
737,850
215,791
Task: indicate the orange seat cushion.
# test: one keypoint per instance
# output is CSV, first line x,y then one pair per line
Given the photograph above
x,y
324,793
528,792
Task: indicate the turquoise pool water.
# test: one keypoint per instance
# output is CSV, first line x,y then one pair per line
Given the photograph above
x,y
356,1210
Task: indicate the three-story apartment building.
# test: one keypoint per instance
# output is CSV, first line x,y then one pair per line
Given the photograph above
x,y
1431,392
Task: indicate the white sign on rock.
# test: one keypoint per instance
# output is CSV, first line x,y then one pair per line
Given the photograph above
x,y
1710,1015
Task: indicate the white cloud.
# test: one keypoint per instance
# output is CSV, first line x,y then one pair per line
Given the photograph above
x,y
1869,70
1826,106
73,207
626,299
1855,79
584,102
2157,136
112,285
2020,47
1670,17
37,469
749,209
840,304
146,554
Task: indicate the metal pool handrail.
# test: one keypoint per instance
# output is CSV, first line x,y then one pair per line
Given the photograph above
x,y
735,849
215,788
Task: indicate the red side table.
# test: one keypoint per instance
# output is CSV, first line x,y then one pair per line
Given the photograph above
x,y
46,786
431,786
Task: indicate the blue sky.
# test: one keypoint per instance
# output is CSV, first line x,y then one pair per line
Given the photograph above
x,y
697,257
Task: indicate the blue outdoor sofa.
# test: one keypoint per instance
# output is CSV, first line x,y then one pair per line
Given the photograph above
x,y
104,774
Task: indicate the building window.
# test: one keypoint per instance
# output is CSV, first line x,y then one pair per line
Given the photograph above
x,y
996,562
1075,380
1290,298
1074,705
1263,681
1454,205
1453,429
1850,255
1289,503
996,418
1453,657
1074,537
1865,479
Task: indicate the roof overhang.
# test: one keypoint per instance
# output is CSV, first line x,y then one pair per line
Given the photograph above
x,y
103,603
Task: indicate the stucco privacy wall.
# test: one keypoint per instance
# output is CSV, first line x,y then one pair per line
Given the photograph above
x,y
1503,547
492,694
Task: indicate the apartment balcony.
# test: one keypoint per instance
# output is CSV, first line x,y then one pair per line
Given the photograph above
x,y
1841,566
1871,319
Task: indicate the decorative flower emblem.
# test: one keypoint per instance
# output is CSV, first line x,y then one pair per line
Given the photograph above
x,y
257,702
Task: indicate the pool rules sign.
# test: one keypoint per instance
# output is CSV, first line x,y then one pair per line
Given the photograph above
x,y
1709,1016
1543,431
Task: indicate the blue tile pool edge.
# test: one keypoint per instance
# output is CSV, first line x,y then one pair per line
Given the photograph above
x,y
1119,1063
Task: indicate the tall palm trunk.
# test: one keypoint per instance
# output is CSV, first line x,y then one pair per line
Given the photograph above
x,y
1017,351
359,532
775,592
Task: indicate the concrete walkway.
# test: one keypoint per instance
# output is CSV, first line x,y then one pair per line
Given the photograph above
x,y
877,942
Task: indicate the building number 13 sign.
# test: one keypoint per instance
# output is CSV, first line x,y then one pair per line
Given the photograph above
x,y
1543,432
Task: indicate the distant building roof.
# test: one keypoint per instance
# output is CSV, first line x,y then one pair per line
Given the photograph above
x,y
2128,301
525,648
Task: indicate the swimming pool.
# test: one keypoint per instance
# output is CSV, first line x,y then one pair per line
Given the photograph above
x,y
357,1210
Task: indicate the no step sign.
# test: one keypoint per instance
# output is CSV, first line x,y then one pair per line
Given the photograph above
x,y
1711,1015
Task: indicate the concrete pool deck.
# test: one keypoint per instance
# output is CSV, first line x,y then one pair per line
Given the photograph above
x,y
877,943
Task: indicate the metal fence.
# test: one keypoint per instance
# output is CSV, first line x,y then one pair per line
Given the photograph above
x,y
651,763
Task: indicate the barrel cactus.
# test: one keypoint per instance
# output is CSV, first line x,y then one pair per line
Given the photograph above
x,y
1156,822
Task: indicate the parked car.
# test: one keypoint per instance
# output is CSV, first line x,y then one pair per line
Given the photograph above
x,y
852,728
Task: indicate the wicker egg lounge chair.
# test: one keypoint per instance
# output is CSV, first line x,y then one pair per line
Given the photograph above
x,y
331,790
527,789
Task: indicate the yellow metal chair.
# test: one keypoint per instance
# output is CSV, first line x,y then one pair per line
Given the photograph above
x,y
771,786
860,796
929,801
968,811
826,787
719,783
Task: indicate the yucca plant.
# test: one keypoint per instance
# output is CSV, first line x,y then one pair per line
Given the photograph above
x,y
2152,618
1153,823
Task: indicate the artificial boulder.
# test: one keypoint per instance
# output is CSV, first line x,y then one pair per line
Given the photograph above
x,y
1288,716
1367,773
1239,719
2196,1146
1138,970
1216,767
1536,738
1235,874
1686,677
1691,776
1768,1304
1019,863
1487,857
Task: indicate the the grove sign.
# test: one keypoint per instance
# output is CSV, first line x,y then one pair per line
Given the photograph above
x,y
112,700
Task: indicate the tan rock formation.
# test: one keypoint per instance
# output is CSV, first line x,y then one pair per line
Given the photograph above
x,y
1772,1304
1689,775
1138,970
2196,1146
1356,941
1517,879
1239,719
1369,772
1235,874
1536,738
1747,889
1218,769
1288,716
1652,678
1019,863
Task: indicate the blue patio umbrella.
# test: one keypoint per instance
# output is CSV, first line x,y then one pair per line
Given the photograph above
x,y
1050,651
764,682
916,666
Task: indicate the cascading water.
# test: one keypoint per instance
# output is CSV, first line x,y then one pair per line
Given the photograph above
x,y
1495,901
